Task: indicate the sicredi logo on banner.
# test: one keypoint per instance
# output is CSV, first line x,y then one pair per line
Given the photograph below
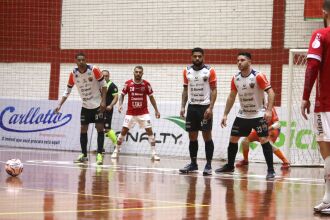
x,y
33,120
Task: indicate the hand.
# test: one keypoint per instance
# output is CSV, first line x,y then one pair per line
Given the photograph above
x,y
268,115
109,108
157,114
120,108
102,106
182,112
224,121
57,109
305,106
208,114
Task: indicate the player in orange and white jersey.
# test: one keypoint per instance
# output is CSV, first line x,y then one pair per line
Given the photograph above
x,y
89,81
200,91
274,130
250,86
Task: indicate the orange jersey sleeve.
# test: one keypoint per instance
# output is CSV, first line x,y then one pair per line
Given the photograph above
x,y
213,78
71,81
233,86
185,79
97,73
262,81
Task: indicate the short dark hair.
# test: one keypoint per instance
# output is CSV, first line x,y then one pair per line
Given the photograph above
x,y
80,54
138,67
246,54
326,5
105,71
197,49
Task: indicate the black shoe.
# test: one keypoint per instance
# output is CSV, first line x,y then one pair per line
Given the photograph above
x,y
225,169
270,175
189,168
207,170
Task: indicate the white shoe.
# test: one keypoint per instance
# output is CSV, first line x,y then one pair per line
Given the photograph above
x,y
115,154
155,157
321,207
326,211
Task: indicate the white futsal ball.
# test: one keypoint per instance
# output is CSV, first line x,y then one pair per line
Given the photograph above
x,y
14,167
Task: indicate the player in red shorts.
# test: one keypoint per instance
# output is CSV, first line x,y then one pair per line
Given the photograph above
x,y
318,67
274,130
137,90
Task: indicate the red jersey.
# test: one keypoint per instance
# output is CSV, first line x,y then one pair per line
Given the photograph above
x,y
137,96
319,48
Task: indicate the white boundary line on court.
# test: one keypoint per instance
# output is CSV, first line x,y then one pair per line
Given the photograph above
x,y
174,172
165,171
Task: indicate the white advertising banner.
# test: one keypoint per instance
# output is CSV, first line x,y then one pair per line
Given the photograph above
x,y
32,124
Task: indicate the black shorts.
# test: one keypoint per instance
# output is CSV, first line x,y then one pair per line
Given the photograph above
x,y
90,116
195,118
242,127
108,119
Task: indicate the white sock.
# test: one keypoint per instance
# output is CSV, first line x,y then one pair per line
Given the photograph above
x,y
326,198
153,149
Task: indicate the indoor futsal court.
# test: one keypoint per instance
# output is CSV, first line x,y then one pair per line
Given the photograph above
x,y
52,187
57,57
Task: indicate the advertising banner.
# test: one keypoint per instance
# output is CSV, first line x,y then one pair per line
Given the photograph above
x,y
33,124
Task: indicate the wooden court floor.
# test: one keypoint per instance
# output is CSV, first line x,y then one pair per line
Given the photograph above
x,y
52,187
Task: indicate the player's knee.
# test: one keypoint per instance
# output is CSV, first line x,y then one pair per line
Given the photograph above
x,y
193,135
245,142
274,148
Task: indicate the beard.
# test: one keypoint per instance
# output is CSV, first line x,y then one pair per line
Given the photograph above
x,y
198,65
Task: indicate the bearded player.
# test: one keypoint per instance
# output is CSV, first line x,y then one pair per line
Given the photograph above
x,y
137,90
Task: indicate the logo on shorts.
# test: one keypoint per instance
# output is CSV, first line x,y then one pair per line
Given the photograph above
x,y
319,126
203,122
264,127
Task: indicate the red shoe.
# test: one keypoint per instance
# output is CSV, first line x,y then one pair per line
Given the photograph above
x,y
285,166
242,163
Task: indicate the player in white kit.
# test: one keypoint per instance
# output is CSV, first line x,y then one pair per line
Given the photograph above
x,y
250,86
92,90
200,91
